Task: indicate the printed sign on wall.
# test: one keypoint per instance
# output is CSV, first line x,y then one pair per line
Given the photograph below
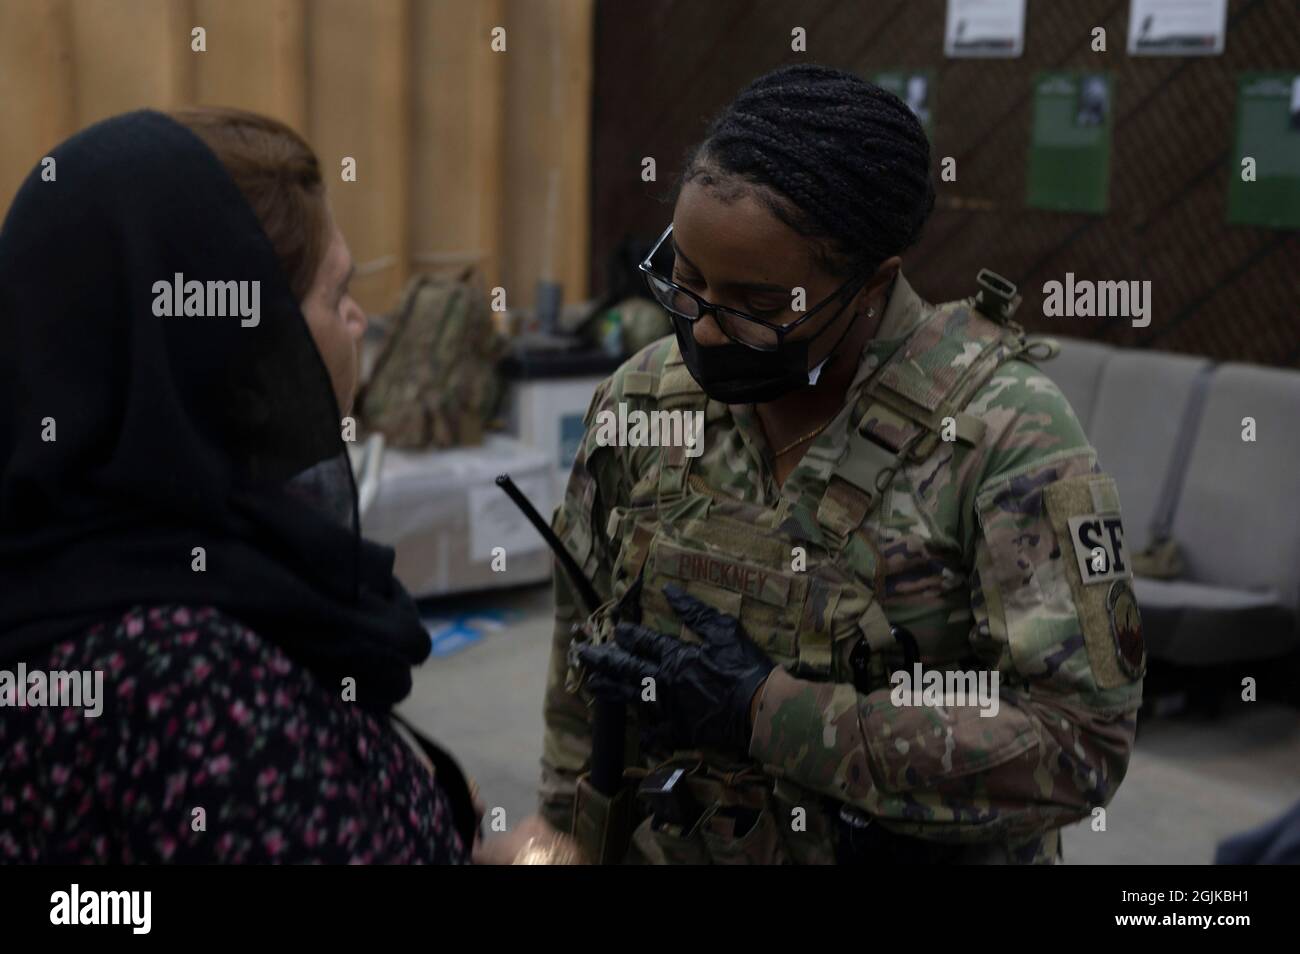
x,y
1177,27
914,87
1264,176
985,28
1069,153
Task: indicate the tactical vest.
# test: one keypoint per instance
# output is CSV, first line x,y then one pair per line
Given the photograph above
x,y
822,623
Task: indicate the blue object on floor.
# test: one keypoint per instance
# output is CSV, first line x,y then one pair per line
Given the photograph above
x,y
449,636
1276,843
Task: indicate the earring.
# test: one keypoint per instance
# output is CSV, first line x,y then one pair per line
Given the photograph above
x,y
871,311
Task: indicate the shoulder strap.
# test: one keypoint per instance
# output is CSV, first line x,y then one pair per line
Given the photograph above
x,y
676,390
899,417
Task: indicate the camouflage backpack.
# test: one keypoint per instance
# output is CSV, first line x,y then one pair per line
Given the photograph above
x,y
435,382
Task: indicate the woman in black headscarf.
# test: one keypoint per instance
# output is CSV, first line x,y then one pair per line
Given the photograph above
x,y
178,526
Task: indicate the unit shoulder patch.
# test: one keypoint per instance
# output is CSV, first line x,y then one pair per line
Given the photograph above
x,y
1126,629
1085,510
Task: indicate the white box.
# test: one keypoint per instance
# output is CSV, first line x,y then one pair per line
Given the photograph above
x,y
445,516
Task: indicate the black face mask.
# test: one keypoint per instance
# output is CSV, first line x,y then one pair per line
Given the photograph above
x,y
734,374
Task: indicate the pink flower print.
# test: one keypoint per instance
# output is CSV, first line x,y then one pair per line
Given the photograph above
x,y
219,765
175,788
348,829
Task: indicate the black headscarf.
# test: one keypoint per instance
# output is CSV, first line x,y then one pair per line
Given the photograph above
x,y
174,432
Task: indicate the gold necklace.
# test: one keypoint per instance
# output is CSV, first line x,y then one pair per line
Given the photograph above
x,y
807,437
871,313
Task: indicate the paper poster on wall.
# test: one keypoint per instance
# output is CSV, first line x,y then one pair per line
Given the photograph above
x,y
985,28
1069,153
1266,190
914,87
1177,27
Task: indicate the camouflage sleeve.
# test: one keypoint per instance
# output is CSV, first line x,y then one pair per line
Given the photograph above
x,y
1055,624
579,522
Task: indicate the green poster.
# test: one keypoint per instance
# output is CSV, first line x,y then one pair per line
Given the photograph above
x,y
1268,131
914,87
1069,151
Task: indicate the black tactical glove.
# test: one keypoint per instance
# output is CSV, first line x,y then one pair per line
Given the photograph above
x,y
702,692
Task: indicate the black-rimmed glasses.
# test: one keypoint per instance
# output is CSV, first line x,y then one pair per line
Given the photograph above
x,y
748,330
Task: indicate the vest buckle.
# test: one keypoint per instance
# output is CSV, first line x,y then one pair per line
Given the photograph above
x,y
997,298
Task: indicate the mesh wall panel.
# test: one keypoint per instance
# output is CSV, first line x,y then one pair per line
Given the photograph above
x,y
664,67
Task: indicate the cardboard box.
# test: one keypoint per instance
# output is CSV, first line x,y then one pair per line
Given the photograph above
x,y
453,528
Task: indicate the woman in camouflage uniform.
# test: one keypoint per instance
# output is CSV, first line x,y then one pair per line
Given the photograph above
x,y
882,608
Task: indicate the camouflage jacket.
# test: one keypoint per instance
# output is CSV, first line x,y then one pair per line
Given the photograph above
x,y
955,495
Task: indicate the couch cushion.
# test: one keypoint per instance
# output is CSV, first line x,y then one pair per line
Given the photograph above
x,y
1200,624
1238,518
1135,426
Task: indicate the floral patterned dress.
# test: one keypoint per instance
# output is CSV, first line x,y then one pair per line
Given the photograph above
x,y
212,746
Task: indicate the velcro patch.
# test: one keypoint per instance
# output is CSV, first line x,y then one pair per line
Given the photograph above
x,y
1085,509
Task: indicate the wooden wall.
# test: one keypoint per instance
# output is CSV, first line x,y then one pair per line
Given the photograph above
x,y
463,153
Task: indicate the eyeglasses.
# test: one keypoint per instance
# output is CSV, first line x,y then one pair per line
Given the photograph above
x,y
741,328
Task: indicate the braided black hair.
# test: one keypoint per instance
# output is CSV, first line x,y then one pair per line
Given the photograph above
x,y
836,158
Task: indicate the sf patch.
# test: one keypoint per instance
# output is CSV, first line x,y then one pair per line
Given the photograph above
x,y
1126,629
1098,540
1084,513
